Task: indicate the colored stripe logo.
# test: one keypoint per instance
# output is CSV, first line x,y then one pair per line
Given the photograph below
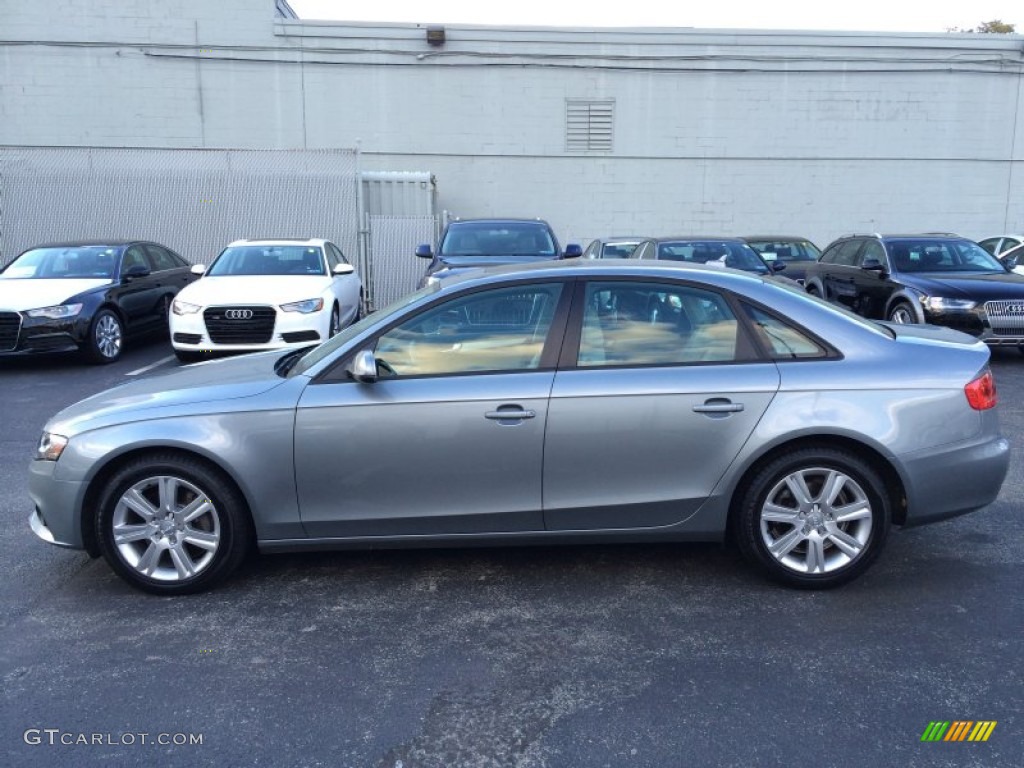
x,y
958,730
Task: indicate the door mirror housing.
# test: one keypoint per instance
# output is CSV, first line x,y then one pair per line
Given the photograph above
x,y
873,265
573,251
343,269
777,266
198,269
424,251
363,367
135,271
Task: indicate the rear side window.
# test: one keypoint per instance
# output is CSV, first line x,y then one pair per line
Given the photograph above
x,y
626,323
782,340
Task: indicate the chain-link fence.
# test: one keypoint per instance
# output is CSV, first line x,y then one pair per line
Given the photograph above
x,y
395,268
194,201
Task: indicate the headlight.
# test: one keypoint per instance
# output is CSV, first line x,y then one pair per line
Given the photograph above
x,y
50,447
58,312
180,307
938,302
305,307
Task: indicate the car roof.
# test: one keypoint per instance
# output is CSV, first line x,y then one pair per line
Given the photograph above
x,y
111,243
777,238
609,267
694,238
455,222
312,241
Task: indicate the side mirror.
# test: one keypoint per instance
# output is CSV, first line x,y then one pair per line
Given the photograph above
x,y
1011,262
424,251
777,266
873,265
135,271
343,269
363,367
198,269
573,251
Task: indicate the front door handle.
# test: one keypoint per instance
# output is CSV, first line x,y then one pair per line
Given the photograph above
x,y
718,405
511,415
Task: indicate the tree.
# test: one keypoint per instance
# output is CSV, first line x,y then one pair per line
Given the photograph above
x,y
994,27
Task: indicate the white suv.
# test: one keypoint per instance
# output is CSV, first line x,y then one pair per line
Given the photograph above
x,y
266,294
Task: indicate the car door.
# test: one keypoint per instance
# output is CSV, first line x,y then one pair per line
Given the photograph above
x,y
872,286
170,275
649,406
840,273
449,439
345,287
139,297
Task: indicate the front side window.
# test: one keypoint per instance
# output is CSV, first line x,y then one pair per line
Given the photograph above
x,y
874,250
627,323
501,329
134,257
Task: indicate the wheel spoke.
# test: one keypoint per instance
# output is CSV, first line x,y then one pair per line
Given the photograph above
x,y
833,486
125,534
148,561
784,544
859,510
139,504
182,561
199,507
773,513
815,555
168,493
201,539
797,485
846,543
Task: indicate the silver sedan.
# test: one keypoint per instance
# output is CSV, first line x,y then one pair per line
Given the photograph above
x,y
577,401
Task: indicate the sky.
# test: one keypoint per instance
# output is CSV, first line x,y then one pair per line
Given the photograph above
x,y
861,15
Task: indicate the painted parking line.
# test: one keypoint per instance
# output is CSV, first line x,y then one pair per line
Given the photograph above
x,y
151,366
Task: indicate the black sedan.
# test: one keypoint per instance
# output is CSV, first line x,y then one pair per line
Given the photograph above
x,y
938,279
87,296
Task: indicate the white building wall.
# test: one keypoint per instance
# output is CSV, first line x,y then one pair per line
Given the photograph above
x,y
715,132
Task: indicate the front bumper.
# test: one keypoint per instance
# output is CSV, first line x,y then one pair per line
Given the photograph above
x,y
40,334
954,479
988,322
189,333
57,518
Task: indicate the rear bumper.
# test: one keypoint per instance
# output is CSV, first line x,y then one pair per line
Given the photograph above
x,y
954,479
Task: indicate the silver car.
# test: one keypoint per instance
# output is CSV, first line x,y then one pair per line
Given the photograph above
x,y
570,402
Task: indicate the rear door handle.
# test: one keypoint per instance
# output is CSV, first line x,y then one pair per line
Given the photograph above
x,y
718,406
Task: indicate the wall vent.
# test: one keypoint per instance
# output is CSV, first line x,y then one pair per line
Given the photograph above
x,y
589,125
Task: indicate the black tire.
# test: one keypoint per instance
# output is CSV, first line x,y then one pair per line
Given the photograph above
x,y
214,543
106,338
360,306
847,547
901,312
335,326
813,291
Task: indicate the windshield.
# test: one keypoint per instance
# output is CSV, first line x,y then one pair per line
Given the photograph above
x,y
525,238
72,262
785,250
317,354
920,255
269,260
726,253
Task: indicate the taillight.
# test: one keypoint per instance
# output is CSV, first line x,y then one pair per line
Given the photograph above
x,y
981,393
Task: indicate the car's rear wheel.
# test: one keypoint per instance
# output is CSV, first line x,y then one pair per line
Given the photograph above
x,y
902,313
814,518
106,337
172,525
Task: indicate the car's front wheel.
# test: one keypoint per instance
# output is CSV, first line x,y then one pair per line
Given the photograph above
x,y
814,518
335,327
106,337
171,524
902,313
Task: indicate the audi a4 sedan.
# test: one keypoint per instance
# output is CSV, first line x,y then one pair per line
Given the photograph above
x,y
266,294
87,296
539,404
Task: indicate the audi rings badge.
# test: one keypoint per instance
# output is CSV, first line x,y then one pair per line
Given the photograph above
x,y
238,314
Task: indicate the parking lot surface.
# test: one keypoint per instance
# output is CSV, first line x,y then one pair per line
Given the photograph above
x,y
659,655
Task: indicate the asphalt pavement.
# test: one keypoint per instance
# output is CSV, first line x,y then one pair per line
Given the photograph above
x,y
664,655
